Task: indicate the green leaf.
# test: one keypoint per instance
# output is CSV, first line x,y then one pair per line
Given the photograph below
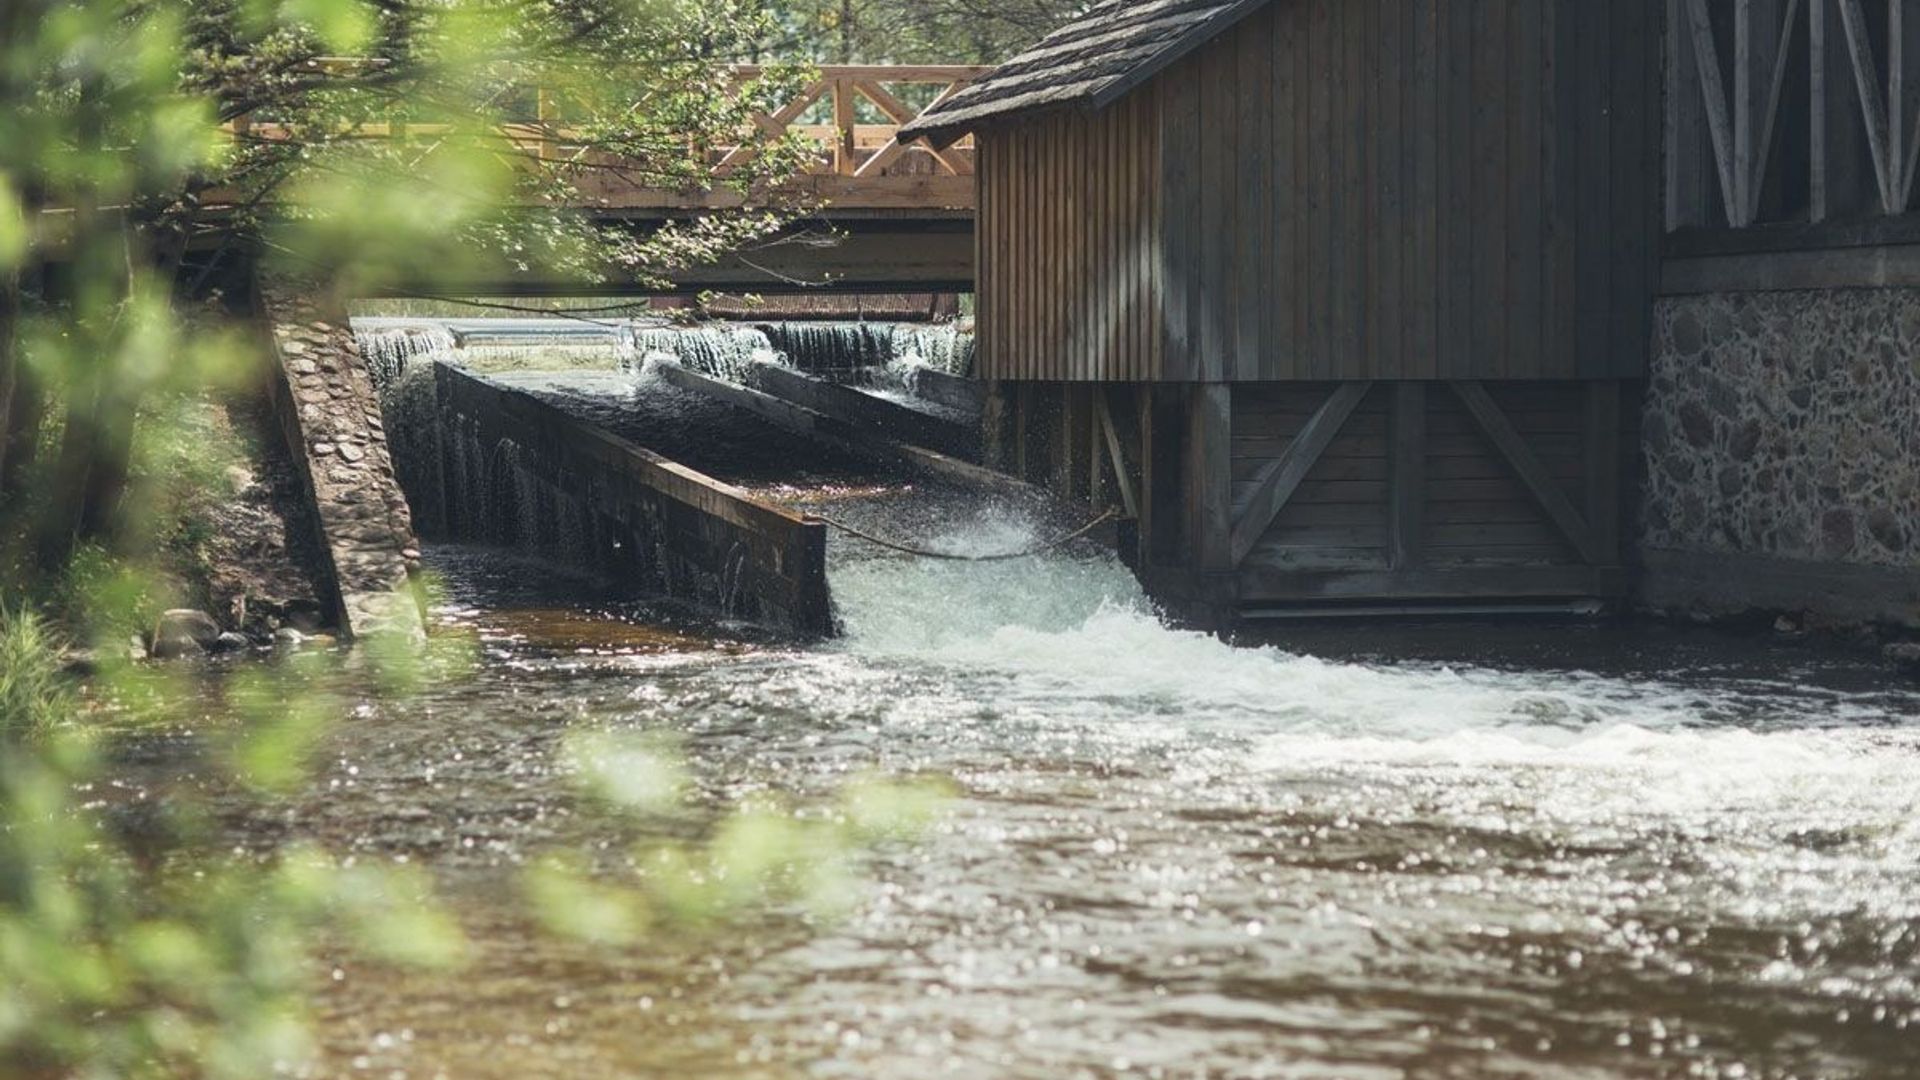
x,y
345,26
14,235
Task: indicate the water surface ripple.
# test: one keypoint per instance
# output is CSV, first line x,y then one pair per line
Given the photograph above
x,y
1616,852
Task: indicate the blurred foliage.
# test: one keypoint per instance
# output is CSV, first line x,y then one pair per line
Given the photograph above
x,y
767,851
129,945
910,31
153,152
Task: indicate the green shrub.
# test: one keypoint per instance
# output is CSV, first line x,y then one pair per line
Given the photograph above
x,y
33,694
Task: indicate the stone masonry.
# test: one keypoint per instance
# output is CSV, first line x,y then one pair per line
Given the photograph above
x,y
332,417
1786,425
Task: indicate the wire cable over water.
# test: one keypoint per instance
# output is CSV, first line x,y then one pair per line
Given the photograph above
x,y
923,553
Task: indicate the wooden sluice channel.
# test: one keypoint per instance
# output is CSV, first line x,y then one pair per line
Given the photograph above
x,y
556,470
584,495
847,419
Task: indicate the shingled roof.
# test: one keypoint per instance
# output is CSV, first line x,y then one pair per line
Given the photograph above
x,y
1089,62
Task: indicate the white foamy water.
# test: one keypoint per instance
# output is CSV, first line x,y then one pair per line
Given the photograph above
x,y
1060,637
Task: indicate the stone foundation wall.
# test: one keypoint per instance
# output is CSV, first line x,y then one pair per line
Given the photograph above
x,y
1781,434
334,426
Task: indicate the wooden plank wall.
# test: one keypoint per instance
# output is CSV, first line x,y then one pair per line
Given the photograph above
x,y
1364,189
1066,246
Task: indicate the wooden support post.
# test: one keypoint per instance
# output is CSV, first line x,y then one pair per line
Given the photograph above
x,y
1023,431
998,432
1210,476
1096,447
1603,467
1213,594
1117,456
1407,521
1163,423
546,114
843,122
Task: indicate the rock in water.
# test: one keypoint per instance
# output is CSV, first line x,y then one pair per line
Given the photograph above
x,y
184,632
232,642
1905,655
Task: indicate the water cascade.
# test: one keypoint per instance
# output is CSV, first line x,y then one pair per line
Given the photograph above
x,y
721,351
389,351
943,347
832,346
850,346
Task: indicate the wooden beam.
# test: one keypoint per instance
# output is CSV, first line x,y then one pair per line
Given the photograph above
x,y
1714,93
1286,585
899,73
1282,477
1771,119
901,114
1116,455
1527,467
775,126
1408,495
1866,75
843,123
1835,268
1743,63
1209,486
1817,197
1603,467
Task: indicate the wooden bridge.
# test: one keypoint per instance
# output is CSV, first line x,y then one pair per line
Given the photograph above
x,y
883,214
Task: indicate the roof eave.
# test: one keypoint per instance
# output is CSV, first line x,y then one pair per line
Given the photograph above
x,y
1182,47
946,134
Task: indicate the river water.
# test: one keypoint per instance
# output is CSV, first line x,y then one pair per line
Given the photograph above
x,y
1453,850
1589,852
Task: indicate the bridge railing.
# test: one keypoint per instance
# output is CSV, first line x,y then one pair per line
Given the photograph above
x,y
861,164
866,150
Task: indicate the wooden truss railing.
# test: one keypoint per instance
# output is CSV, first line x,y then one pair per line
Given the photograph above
x,y
865,150
1759,89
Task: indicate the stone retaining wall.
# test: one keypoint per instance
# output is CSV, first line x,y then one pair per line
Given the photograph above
x,y
331,415
1781,435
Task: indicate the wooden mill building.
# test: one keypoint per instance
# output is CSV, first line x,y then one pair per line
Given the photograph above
x,y
1345,299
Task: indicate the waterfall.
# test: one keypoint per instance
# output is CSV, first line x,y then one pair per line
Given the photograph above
x,y
721,351
832,346
943,347
387,352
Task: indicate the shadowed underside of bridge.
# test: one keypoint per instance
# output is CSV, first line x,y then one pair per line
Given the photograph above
x,y
821,255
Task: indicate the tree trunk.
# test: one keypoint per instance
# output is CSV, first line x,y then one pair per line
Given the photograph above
x,y
91,476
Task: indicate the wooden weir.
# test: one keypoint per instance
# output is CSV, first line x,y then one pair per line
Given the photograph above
x,y
826,418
